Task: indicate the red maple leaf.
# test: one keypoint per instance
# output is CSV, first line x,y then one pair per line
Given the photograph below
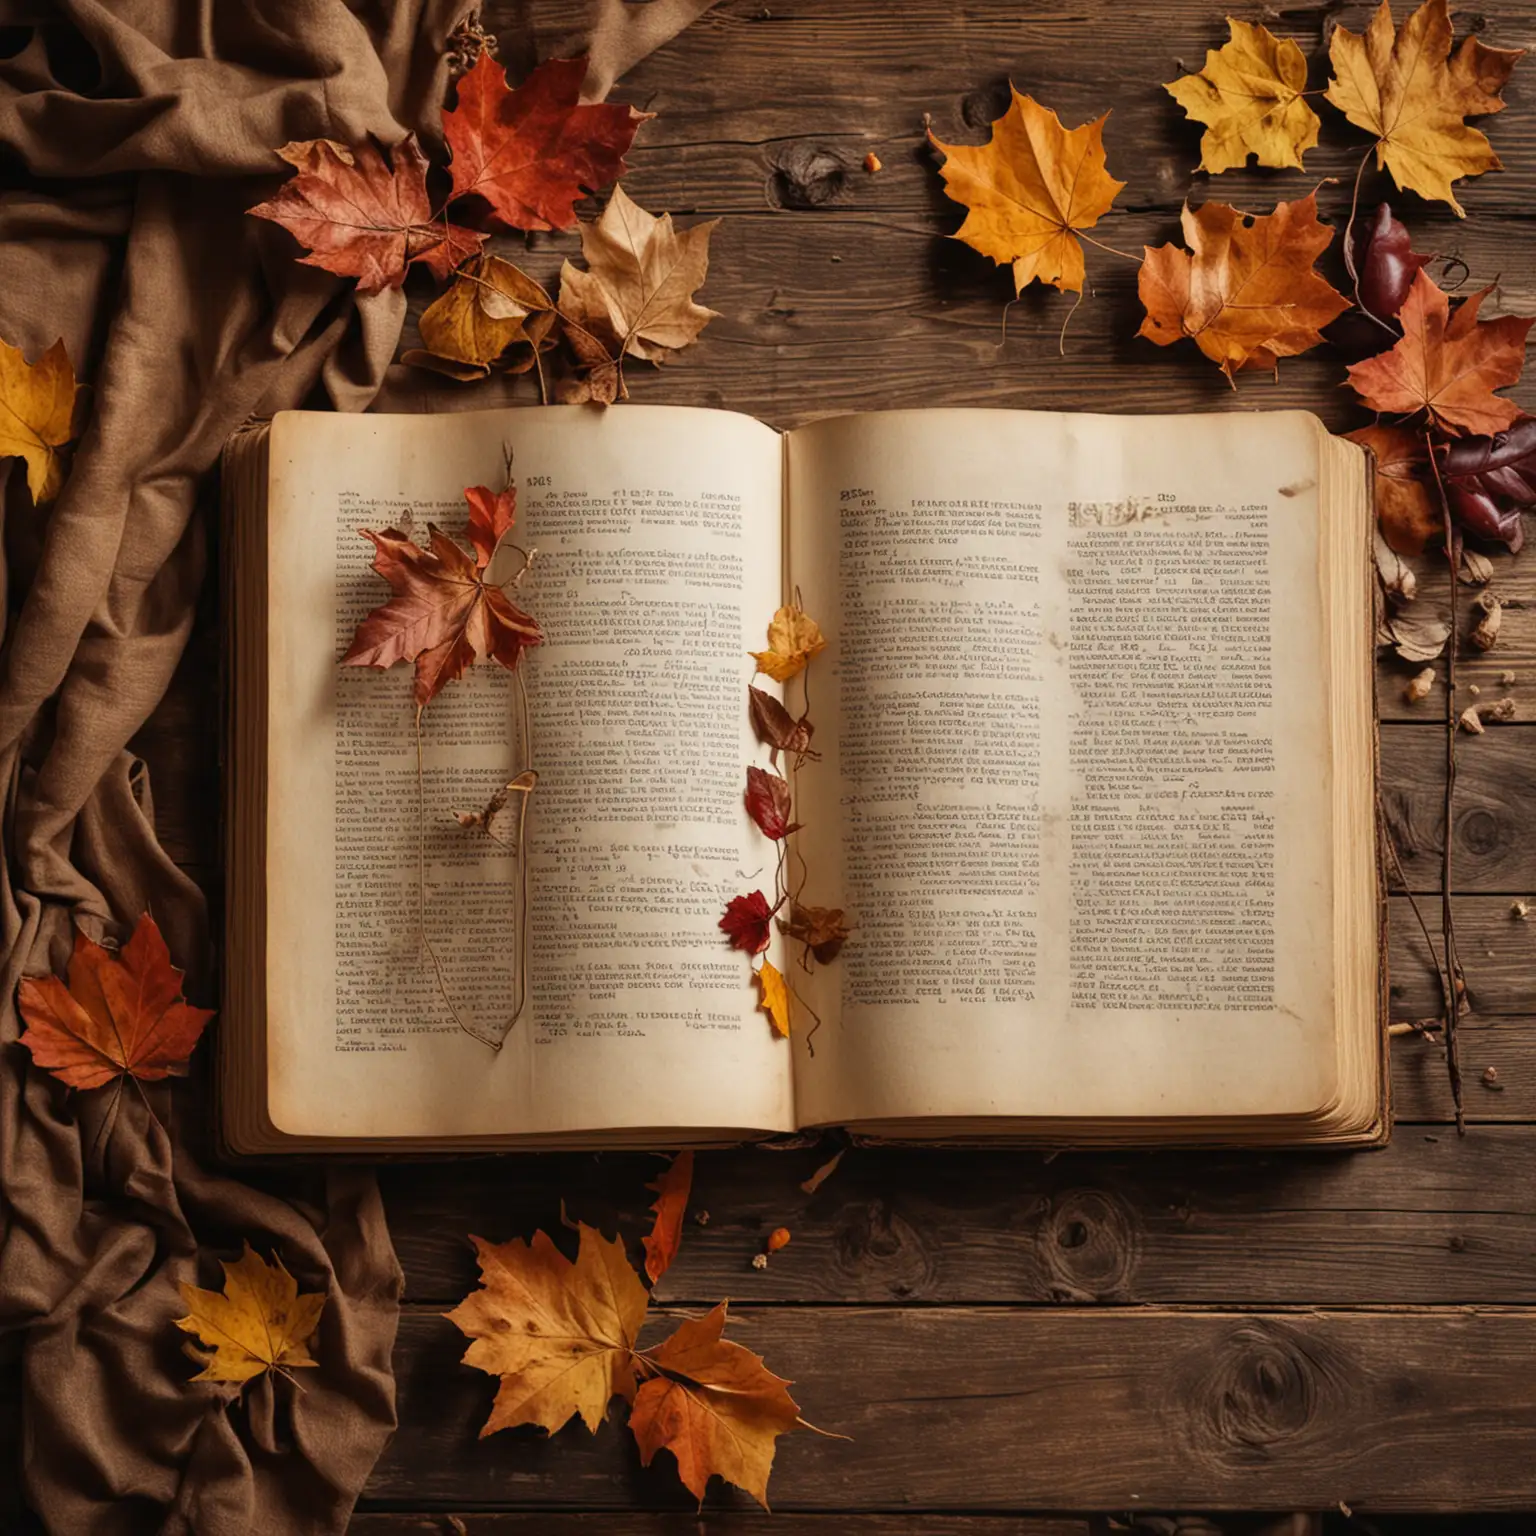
x,y
363,216
121,1014
746,922
443,614
768,803
491,513
531,153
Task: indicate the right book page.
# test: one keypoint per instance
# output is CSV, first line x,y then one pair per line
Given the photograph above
x,y
1075,722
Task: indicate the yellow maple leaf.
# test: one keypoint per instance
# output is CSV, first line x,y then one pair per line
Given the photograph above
x,y
258,1323
1249,96
561,1336
773,996
1028,189
37,412
794,637
1403,87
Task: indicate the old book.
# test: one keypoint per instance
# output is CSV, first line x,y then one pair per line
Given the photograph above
x,y
1096,786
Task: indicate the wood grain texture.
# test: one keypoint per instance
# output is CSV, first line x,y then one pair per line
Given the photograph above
x,y
967,1410
714,1522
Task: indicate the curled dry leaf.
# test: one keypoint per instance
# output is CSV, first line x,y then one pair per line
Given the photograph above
x,y
769,804
484,819
258,1323
1245,292
777,729
1385,262
794,640
1405,89
824,1172
1419,685
531,153
1406,513
1417,636
1029,189
823,930
715,1406
748,922
1484,634
1395,574
1249,95
122,1013
1447,364
495,314
1474,569
360,215
666,1235
560,1336
1474,717
1490,481
773,996
37,414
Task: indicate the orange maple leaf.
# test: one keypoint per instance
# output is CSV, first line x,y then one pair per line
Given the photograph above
x,y
666,1235
122,1013
1447,364
364,217
1029,189
1405,510
715,1406
444,612
1245,292
531,153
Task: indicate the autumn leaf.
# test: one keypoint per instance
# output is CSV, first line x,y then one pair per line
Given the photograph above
x,y
491,514
1408,516
715,1406
1490,481
1029,189
642,274
492,309
747,922
1447,364
794,639
444,613
122,1013
258,1323
1250,97
1404,89
594,374
1385,262
1245,292
768,802
666,1234
360,215
37,413
823,930
561,1336
531,153
777,729
773,995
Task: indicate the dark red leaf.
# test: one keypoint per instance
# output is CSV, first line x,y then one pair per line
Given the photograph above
x,y
768,803
777,728
746,922
1491,480
1385,261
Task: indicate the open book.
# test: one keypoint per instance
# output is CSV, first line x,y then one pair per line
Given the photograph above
x,y
1096,786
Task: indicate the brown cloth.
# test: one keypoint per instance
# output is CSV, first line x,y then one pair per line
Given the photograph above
x,y
133,134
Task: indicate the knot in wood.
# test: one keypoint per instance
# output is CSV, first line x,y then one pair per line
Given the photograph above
x,y
983,106
1090,1244
1480,831
807,176
870,1235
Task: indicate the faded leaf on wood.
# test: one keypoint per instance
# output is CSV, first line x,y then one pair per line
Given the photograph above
x,y
259,1322
533,152
794,639
823,930
1249,96
773,995
122,1013
1406,511
1416,634
1490,481
1447,364
360,215
769,803
494,314
593,374
1396,575
560,1336
1245,292
715,1406
443,615
748,922
1404,88
777,729
666,1235
37,414
1029,189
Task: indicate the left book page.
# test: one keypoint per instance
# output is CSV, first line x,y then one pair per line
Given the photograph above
x,y
657,539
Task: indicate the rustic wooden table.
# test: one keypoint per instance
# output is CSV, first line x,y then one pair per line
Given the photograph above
x,y
1003,1333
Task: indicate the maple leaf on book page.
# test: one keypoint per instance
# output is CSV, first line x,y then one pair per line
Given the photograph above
x,y
1029,189
531,153
259,1322
37,414
560,1335
794,641
363,216
748,922
122,1013
1249,96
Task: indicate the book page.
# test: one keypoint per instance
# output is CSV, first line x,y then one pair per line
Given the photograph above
x,y
1074,717
657,552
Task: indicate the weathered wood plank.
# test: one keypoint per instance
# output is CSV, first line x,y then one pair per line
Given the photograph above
x,y
971,1410
1498,952
1429,1219
716,1522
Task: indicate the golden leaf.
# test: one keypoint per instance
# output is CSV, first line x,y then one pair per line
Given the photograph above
x,y
1402,87
492,307
561,1336
773,996
1028,189
258,1323
37,411
794,638
1249,96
